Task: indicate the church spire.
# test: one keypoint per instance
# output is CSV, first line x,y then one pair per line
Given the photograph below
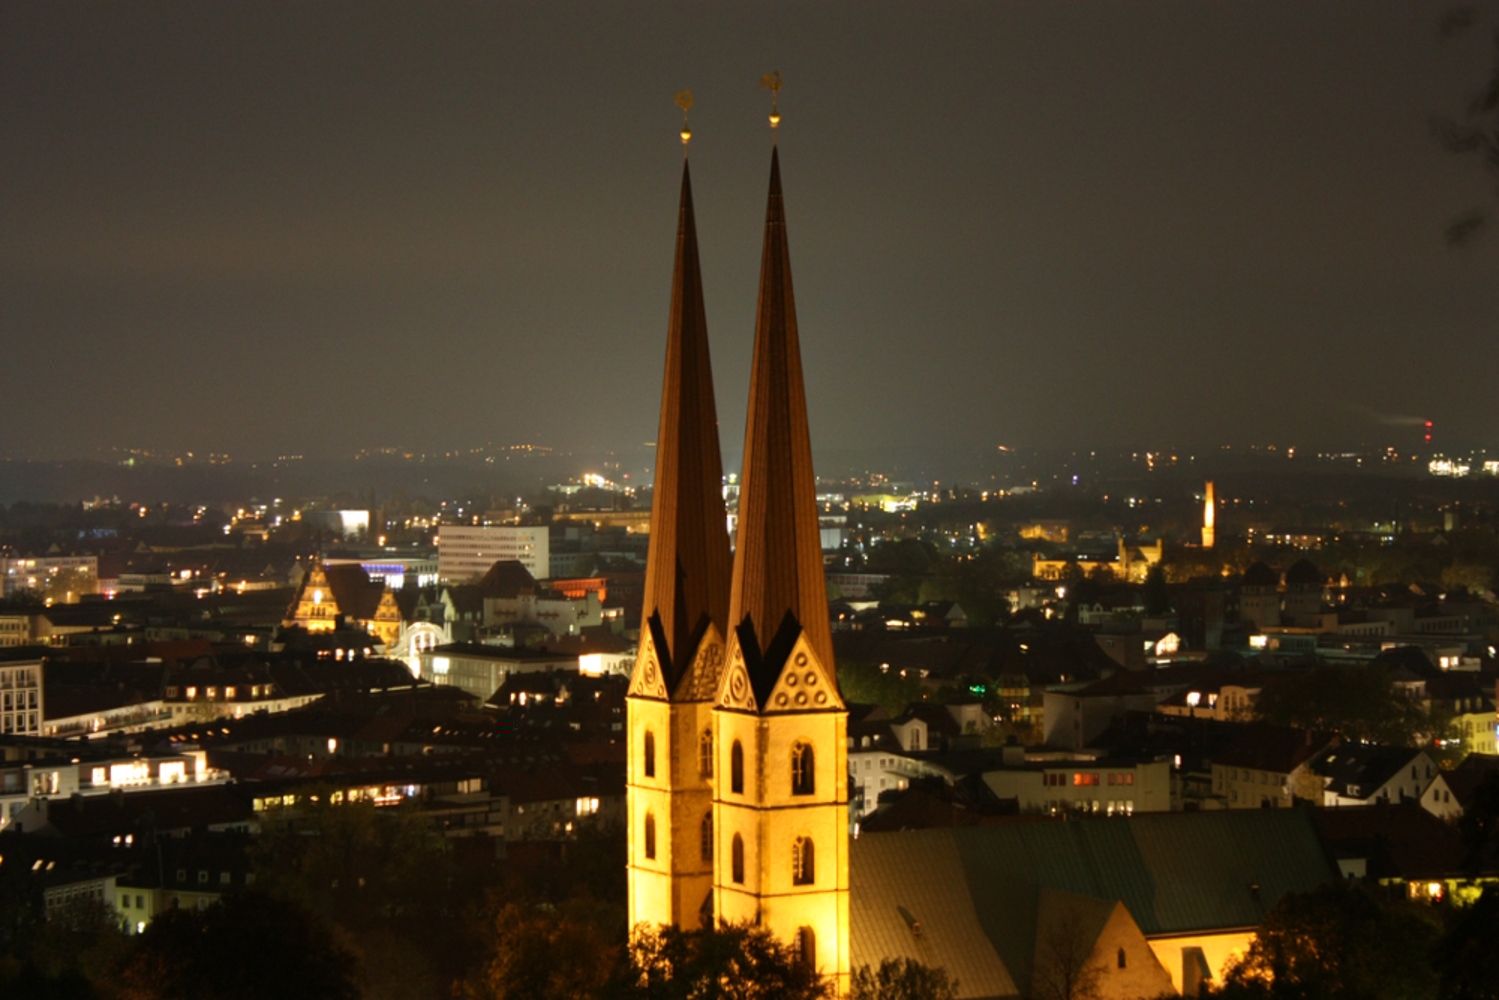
x,y
778,589
687,571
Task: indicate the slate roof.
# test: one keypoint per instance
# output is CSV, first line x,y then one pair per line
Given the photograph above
x,y
888,894
1176,872
1261,575
1303,573
506,578
1274,748
1366,768
1396,841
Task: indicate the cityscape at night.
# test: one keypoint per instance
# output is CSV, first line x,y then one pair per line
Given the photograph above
x,y
951,501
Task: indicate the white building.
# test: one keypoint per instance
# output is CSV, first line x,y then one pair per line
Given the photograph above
x,y
39,572
21,695
466,552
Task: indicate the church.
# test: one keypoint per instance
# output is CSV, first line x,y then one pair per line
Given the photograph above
x,y
737,780
737,788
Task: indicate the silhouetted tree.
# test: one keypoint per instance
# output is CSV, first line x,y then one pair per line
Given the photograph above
x,y
1475,132
1467,957
732,962
545,953
1358,703
247,947
1336,943
902,979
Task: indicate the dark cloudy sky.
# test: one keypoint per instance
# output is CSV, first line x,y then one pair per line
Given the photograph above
x,y
315,227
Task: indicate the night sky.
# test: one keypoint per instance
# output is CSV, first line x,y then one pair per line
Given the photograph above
x,y
313,228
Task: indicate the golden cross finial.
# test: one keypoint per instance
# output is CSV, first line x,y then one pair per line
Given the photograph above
x,y
684,101
772,83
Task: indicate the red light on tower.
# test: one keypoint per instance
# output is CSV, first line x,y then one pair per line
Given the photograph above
x,y
1428,432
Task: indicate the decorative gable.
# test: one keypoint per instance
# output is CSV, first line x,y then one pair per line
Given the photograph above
x,y
734,690
805,684
700,682
646,681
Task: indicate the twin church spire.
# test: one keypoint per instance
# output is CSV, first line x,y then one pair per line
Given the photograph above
x,y
737,760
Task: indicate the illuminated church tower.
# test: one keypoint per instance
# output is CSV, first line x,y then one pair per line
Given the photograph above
x,y
781,792
676,676
1209,517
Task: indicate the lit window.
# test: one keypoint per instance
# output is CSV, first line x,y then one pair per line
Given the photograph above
x,y
705,754
803,769
803,862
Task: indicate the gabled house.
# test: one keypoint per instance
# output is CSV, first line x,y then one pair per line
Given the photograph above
x,y
1361,775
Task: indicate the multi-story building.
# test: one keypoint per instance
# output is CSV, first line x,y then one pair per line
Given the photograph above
x,y
21,691
63,578
466,552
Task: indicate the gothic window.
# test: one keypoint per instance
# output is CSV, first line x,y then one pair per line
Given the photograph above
x,y
705,754
736,768
803,769
650,836
803,862
736,860
705,837
806,947
650,754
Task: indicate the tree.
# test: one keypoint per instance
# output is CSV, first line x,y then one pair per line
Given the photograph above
x,y
731,962
246,947
873,684
1063,970
1466,959
1358,703
902,979
1336,943
1475,133
381,877
1480,825
544,953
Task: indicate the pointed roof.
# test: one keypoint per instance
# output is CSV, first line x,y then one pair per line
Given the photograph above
x,y
687,571
778,575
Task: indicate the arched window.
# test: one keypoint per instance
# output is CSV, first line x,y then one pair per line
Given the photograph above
x,y
650,836
650,754
803,769
736,768
803,862
1122,962
806,947
705,837
705,754
736,860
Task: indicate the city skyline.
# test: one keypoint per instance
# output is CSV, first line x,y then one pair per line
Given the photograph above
x,y
317,232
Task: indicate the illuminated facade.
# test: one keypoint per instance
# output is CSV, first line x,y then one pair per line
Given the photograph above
x,y
780,726
738,773
670,703
465,552
331,595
